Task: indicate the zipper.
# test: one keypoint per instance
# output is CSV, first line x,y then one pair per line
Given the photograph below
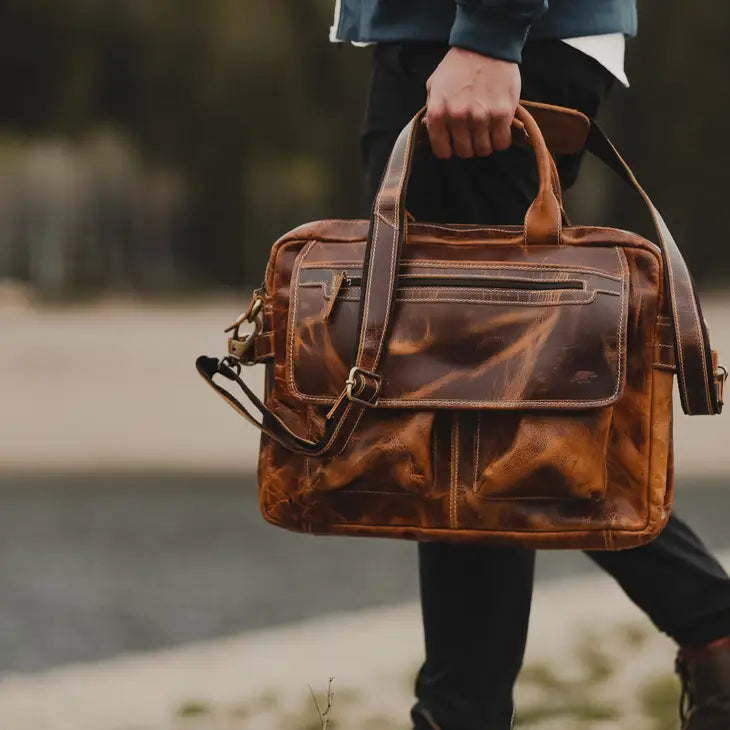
x,y
341,281
469,282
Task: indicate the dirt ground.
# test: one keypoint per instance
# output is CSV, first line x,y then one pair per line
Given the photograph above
x,y
593,663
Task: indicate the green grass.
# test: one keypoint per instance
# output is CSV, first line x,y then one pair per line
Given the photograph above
x,y
659,700
543,676
194,708
579,710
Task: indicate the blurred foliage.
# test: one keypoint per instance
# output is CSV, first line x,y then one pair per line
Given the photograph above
x,y
259,115
672,124
246,98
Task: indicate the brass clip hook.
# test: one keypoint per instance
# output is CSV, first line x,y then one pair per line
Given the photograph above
x,y
239,346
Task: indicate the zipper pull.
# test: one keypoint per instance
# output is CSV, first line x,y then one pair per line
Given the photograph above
x,y
337,281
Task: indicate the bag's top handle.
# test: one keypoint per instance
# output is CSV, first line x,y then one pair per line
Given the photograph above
x,y
566,131
543,219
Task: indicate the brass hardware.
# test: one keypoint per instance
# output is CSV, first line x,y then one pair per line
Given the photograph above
x,y
352,381
232,363
239,346
720,379
253,311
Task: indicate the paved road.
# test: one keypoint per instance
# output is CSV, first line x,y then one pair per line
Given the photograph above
x,y
92,565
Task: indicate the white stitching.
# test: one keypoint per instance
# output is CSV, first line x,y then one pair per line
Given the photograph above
x,y
368,284
660,226
355,492
476,452
678,333
502,404
622,319
435,448
485,300
454,471
393,257
620,237
292,320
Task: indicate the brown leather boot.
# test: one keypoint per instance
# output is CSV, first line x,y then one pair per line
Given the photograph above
x,y
705,675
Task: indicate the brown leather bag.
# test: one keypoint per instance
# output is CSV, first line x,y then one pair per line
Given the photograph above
x,y
506,385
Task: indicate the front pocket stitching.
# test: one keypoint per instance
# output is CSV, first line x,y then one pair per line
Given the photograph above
x,y
482,404
485,300
476,453
454,471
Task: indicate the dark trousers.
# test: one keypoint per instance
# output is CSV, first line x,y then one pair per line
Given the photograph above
x,y
476,600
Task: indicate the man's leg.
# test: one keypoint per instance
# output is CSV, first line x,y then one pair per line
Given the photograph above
x,y
475,603
474,645
686,593
677,583
475,600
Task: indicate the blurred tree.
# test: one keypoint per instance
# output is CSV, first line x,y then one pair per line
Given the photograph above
x,y
671,125
235,94
260,114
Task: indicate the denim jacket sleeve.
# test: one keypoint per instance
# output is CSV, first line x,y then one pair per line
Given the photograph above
x,y
495,28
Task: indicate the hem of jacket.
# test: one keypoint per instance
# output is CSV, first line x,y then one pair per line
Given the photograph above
x,y
436,30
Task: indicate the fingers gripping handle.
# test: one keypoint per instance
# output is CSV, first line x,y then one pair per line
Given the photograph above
x,y
544,217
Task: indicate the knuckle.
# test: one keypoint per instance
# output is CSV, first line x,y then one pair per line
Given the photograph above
x,y
459,114
480,115
435,114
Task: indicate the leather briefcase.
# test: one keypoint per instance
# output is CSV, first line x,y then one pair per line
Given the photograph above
x,y
509,385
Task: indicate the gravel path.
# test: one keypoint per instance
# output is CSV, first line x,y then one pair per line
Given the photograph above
x,y
593,663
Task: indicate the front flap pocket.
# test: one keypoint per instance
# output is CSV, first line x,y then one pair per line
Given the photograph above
x,y
524,334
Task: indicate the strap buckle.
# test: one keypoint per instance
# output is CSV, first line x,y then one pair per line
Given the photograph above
x,y
363,387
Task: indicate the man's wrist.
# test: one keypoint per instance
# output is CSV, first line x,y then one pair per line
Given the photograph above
x,y
498,37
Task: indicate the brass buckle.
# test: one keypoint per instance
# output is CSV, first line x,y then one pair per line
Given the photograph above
x,y
352,381
238,347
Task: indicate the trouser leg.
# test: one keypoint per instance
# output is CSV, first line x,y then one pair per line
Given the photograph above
x,y
475,600
676,582
476,604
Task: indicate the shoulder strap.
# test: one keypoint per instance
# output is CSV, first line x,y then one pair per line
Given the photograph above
x,y
700,381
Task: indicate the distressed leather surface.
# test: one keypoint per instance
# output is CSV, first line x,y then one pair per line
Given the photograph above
x,y
565,475
506,385
470,334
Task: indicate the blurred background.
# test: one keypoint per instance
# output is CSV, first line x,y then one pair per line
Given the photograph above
x,y
150,154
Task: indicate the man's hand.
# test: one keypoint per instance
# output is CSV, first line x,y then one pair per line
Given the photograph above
x,y
471,103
